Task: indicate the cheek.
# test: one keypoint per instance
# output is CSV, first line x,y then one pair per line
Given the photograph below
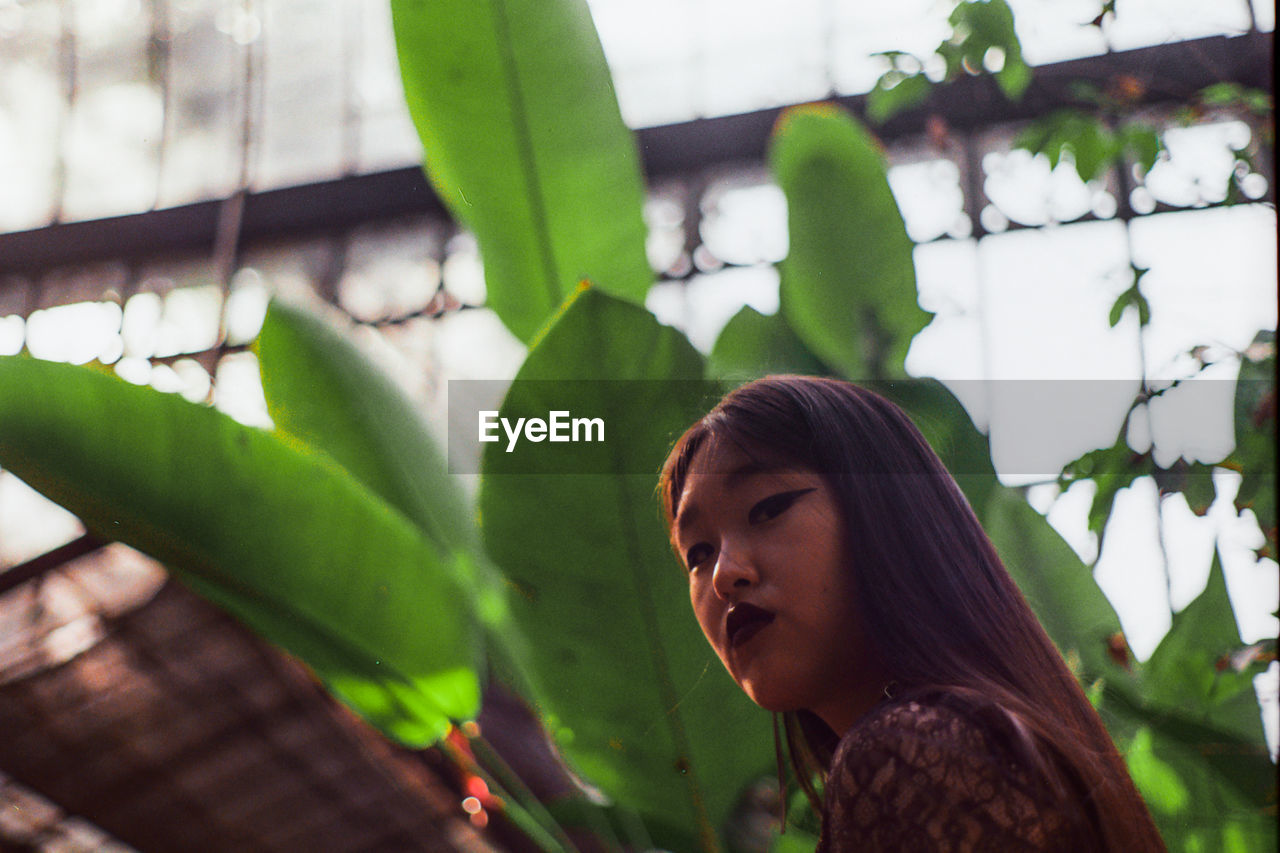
x,y
703,610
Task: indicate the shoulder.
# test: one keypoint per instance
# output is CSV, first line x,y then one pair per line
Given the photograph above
x,y
939,771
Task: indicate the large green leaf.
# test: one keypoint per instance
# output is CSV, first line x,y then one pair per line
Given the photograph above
x,y
946,425
653,718
525,144
752,345
848,282
1191,669
1208,789
323,390
281,536
1058,586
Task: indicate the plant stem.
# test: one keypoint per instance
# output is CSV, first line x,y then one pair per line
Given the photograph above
x,y
517,791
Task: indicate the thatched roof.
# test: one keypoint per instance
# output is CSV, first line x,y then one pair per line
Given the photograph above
x,y
171,727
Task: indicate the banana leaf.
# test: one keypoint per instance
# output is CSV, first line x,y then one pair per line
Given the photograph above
x,y
278,534
848,284
524,143
643,708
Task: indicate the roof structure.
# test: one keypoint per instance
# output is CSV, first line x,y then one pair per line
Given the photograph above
x,y
175,728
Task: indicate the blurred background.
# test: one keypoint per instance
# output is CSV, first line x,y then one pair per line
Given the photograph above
x,y
165,165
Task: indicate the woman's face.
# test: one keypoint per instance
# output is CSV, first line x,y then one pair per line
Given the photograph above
x,y
769,579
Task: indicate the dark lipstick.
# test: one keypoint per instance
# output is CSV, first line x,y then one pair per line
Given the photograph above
x,y
744,621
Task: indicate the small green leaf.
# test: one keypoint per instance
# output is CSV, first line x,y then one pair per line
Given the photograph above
x,y
1091,145
1255,431
1144,307
1142,143
1117,309
1159,784
896,92
978,26
1112,469
1014,78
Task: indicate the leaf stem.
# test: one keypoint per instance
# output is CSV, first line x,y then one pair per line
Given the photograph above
x,y
488,760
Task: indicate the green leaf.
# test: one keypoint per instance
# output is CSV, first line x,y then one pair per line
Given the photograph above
x,y
981,25
1142,143
1093,148
656,722
525,144
1207,789
1090,143
752,345
946,425
1111,469
1014,78
895,92
1193,479
1058,586
794,841
322,390
1117,309
282,537
1193,735
1190,670
848,283
1255,431
1257,101
1158,782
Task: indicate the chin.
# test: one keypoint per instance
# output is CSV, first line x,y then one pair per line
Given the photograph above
x,y
769,700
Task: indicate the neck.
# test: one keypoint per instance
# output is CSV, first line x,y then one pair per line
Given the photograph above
x,y
841,713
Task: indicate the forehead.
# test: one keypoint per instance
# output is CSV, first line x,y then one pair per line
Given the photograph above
x,y
721,467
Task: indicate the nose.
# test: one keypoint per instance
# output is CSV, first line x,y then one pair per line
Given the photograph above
x,y
734,572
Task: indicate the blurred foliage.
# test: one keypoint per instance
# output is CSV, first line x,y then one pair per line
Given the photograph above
x,y
341,537
983,40
1088,142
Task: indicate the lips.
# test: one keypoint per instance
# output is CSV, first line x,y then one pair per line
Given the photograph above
x,y
744,621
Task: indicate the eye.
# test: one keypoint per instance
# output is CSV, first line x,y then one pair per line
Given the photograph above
x,y
774,505
696,555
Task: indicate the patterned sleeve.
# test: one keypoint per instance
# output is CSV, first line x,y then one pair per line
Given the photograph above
x,y
918,776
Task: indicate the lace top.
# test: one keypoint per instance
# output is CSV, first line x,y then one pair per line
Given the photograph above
x,y
934,773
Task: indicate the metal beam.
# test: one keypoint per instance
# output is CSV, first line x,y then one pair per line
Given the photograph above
x,y
1169,73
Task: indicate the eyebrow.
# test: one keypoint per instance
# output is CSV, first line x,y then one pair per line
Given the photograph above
x,y
688,513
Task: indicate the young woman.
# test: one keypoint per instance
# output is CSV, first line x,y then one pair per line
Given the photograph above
x,y
842,578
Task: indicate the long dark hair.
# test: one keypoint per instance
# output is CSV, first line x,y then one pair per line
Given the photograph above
x,y
935,599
